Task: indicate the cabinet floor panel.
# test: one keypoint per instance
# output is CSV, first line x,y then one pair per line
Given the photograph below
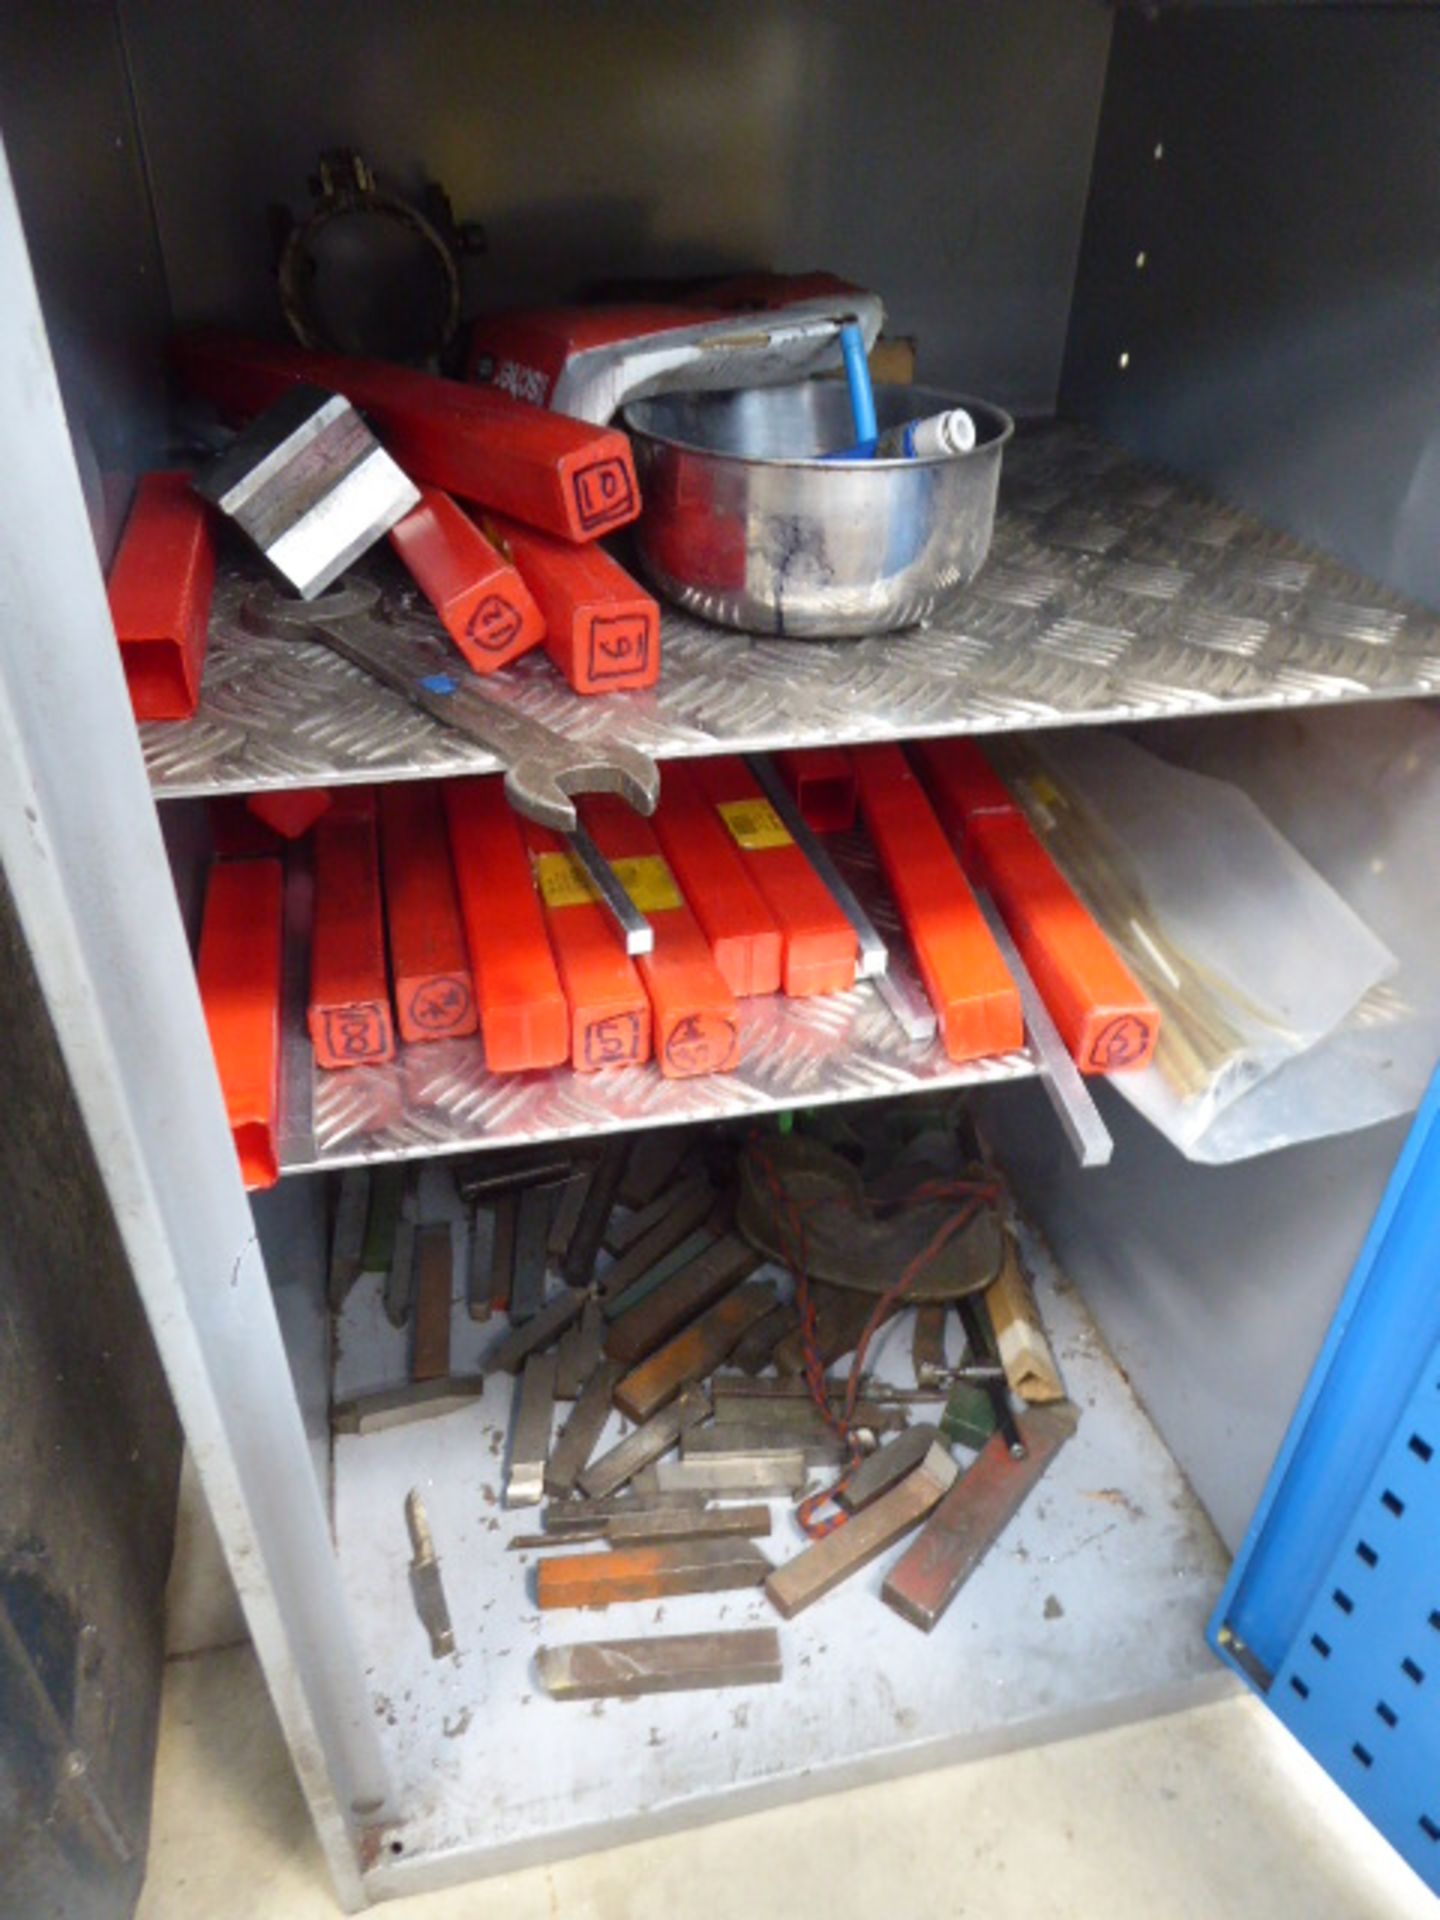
x,y
1113,592
1089,1609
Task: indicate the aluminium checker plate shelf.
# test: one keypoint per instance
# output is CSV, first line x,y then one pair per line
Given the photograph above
x,y
1114,592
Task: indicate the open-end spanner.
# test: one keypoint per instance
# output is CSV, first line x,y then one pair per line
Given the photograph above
x,y
543,769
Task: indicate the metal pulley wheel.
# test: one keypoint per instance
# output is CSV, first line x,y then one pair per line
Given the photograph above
x,y
367,272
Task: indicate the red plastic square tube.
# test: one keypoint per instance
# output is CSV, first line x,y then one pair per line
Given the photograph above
x,y
429,961
291,811
349,1011
1103,1015
487,609
819,945
602,629
160,586
239,979
743,934
696,1026
823,783
609,1009
572,479
524,1020
975,1000
961,783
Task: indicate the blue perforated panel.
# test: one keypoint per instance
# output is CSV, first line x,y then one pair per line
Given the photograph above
x,y
1332,1611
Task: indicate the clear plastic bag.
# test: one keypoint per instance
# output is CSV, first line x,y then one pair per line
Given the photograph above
x,y
1357,791
1251,957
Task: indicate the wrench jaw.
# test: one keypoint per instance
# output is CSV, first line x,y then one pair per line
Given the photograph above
x,y
268,611
544,770
546,794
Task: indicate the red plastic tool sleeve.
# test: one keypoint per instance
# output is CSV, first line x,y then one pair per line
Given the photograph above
x,y
975,1000
563,475
239,974
290,811
696,1024
1102,1014
160,586
602,629
823,783
429,961
609,1009
711,871
820,949
349,1010
524,1020
487,609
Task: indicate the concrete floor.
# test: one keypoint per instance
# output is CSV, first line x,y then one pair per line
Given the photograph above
x,y
1206,1815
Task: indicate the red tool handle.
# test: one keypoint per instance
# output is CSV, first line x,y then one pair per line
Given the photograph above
x,y
486,607
523,1017
744,935
602,629
975,1000
429,960
820,948
609,1010
696,1022
349,1008
573,480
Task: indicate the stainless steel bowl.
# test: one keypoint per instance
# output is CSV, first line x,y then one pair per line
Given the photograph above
x,y
744,524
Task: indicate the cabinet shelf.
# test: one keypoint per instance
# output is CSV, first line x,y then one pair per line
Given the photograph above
x,y
1114,592
440,1097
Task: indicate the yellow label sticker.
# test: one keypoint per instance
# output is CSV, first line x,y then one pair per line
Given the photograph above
x,y
754,824
1045,790
1046,800
563,882
649,882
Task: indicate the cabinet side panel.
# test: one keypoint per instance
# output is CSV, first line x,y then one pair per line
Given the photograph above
x,y
67,116
1259,254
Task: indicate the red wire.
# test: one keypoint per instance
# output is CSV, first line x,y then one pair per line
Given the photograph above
x,y
974,1194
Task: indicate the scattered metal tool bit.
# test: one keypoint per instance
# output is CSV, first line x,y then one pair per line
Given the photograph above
x,y
649,1573
578,1266
347,1248
676,1663
434,1278
534,1412
311,486
887,1467
572,1451
400,1281
535,1334
543,769
532,1232
780,1471
405,1406
425,1583
823,1565
624,1460
651,1163
972,1516
980,1336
